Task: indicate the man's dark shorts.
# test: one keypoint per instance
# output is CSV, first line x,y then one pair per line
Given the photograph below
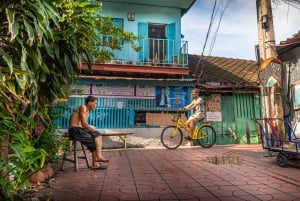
x,y
85,136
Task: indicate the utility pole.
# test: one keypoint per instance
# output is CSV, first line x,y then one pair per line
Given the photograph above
x,y
267,49
266,37
265,28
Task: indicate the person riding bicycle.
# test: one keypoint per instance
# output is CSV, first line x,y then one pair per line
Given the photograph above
x,y
199,112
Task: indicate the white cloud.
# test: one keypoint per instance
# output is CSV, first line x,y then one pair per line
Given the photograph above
x,y
237,35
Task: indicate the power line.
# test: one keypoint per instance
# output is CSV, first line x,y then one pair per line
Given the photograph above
x,y
206,39
293,3
217,30
209,27
213,15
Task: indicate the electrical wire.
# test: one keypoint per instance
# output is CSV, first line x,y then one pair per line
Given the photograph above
x,y
213,15
293,3
206,39
209,27
217,30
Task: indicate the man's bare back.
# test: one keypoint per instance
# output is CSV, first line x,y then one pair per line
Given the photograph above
x,y
79,117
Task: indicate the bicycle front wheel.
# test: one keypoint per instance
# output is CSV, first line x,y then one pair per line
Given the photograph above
x,y
171,137
206,136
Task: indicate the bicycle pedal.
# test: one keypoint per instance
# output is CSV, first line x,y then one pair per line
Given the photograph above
x,y
188,138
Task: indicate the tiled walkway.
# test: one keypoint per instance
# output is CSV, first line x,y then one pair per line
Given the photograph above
x,y
219,173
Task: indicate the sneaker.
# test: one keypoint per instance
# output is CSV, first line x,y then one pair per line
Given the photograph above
x,y
188,138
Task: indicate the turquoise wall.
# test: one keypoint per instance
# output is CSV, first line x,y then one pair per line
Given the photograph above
x,y
143,14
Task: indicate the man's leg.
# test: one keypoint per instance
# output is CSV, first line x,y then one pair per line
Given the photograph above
x,y
98,144
94,160
191,125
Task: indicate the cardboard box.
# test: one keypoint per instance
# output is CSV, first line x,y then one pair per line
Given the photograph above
x,y
160,119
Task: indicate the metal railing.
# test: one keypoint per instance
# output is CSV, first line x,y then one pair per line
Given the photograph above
x,y
156,52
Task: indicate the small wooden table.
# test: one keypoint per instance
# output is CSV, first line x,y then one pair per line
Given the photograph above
x,y
121,135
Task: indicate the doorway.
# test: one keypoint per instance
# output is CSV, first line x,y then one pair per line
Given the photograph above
x,y
157,42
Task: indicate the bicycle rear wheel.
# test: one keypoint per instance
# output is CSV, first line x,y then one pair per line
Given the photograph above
x,y
171,137
206,136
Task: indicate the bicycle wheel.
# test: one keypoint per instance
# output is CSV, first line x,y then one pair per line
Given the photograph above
x,y
206,136
171,138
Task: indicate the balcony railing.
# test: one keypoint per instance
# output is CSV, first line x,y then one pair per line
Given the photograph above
x,y
156,52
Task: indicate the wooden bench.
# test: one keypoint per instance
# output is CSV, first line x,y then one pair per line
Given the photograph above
x,y
122,135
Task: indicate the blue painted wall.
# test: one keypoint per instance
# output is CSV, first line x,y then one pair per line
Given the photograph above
x,y
143,14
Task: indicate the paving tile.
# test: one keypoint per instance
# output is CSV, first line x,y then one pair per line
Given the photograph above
x,y
242,173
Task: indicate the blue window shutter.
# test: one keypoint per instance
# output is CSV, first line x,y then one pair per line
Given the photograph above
x,y
143,32
118,23
171,40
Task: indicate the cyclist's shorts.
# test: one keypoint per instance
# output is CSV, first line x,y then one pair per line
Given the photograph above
x,y
196,117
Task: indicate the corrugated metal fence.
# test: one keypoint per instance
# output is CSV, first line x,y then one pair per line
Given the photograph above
x,y
237,126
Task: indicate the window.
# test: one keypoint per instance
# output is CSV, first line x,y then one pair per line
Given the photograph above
x,y
109,40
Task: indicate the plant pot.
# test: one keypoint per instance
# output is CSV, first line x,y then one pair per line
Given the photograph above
x,y
38,177
48,172
42,175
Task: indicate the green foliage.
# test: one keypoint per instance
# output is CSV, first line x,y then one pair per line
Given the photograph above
x,y
25,158
42,43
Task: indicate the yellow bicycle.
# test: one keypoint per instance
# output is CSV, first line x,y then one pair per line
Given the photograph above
x,y
172,136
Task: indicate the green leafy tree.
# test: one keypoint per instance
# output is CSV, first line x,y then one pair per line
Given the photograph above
x,y
42,44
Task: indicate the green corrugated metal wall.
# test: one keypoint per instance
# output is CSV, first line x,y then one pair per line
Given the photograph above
x,y
237,126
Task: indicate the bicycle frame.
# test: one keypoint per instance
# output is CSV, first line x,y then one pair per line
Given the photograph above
x,y
180,123
172,135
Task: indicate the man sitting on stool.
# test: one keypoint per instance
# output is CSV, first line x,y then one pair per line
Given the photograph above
x,y
81,131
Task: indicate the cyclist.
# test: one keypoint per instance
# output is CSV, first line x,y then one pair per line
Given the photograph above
x,y
199,112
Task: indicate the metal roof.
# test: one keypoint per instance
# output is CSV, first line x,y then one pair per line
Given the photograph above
x,y
289,43
183,5
226,71
100,77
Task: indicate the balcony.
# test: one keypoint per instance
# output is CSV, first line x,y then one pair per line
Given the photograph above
x,y
158,56
155,52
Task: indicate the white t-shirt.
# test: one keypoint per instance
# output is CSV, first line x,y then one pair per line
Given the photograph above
x,y
200,108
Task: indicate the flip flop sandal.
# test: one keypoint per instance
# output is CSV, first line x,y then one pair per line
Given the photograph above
x,y
101,167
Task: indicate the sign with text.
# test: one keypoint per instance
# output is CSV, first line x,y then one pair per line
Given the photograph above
x,y
214,116
107,90
80,89
145,91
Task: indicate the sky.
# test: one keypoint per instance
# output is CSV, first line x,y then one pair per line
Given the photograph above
x,y
237,34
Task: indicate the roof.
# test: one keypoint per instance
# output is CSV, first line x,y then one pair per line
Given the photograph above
x,y
289,43
137,79
103,77
183,5
224,71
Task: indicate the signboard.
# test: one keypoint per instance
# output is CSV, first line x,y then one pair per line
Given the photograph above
x,y
296,98
145,91
80,89
214,116
213,104
270,72
175,97
108,90
213,108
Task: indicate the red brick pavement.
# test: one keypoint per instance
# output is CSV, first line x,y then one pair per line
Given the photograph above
x,y
238,172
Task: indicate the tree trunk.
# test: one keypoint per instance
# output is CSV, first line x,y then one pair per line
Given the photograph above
x,y
4,147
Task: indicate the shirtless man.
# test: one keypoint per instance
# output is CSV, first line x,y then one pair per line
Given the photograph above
x,y
81,131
